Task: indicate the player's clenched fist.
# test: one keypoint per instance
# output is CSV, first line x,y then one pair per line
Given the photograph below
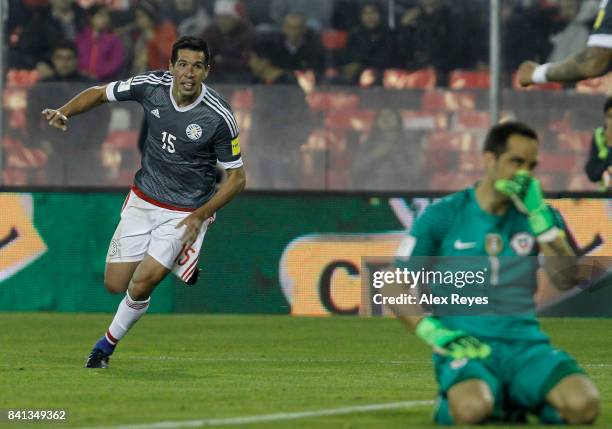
x,y
56,118
525,73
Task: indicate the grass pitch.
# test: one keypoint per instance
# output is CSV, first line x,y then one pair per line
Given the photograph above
x,y
182,368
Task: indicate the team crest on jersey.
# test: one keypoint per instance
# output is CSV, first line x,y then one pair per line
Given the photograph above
x,y
194,131
522,243
494,244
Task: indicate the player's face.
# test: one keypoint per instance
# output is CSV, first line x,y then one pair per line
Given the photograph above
x,y
189,71
521,154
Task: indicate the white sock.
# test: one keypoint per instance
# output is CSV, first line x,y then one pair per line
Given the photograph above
x,y
128,313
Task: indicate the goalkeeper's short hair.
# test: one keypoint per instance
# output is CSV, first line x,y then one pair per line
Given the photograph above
x,y
497,137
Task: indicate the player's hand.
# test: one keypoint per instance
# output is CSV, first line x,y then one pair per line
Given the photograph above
x,y
525,73
193,224
526,193
56,119
448,342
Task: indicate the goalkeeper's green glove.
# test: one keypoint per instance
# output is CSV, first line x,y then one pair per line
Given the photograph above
x,y
448,342
603,150
526,193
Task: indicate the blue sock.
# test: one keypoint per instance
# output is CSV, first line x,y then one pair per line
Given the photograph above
x,y
104,345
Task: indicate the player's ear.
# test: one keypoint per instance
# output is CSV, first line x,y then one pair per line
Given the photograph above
x,y
489,160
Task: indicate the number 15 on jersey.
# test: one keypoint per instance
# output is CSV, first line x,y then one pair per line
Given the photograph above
x,y
168,142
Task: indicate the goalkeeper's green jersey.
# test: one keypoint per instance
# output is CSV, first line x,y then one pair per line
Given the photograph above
x,y
458,229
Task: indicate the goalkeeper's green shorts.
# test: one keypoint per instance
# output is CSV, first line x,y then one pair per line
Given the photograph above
x,y
519,373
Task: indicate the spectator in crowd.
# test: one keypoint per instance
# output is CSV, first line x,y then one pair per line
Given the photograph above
x,y
280,119
190,16
152,39
230,38
263,68
74,159
426,38
599,165
370,46
299,48
101,52
318,13
63,19
387,148
578,17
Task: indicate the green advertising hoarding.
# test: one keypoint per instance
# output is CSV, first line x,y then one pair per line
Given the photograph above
x,y
266,253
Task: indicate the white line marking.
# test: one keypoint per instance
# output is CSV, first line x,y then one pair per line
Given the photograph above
x,y
271,417
273,360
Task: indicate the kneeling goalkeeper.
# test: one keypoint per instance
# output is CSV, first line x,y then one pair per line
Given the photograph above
x,y
500,367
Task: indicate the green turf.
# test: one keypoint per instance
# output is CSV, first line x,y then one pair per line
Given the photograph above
x,y
199,367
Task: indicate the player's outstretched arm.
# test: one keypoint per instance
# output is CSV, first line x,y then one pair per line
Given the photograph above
x,y
593,61
83,102
235,183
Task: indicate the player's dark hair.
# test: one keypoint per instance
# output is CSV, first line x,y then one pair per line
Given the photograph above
x,y
608,105
193,44
497,139
66,44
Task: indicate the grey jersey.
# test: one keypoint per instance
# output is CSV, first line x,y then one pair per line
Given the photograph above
x,y
183,144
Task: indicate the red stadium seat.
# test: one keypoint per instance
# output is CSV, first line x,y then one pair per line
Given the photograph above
x,y
350,120
409,79
551,162
468,79
333,101
550,86
449,101
424,120
577,141
466,120
22,78
452,141
334,40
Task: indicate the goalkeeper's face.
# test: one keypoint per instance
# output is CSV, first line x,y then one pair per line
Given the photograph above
x,y
521,154
189,71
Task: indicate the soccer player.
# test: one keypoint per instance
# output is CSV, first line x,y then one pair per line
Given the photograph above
x,y
592,61
173,201
499,365
599,165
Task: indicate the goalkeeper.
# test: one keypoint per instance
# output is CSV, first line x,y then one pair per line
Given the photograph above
x,y
500,367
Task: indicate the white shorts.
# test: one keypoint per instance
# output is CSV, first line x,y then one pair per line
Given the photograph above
x,y
146,228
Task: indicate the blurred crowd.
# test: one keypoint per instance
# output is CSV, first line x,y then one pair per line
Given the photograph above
x,y
266,41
